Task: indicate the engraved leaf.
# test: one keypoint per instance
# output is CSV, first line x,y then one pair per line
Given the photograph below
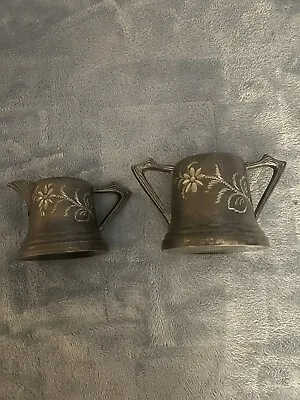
x,y
244,186
218,173
77,198
220,195
35,193
211,184
181,179
87,200
63,193
234,181
68,209
56,205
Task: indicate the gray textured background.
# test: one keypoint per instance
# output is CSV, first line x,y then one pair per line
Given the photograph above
x,y
89,88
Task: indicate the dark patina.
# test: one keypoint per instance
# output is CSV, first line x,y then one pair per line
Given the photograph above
x,y
62,219
211,205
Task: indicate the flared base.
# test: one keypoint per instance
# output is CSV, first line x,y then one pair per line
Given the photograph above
x,y
200,243
61,250
214,249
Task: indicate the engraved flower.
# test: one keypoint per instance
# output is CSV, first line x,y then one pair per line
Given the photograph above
x,y
191,180
44,198
238,193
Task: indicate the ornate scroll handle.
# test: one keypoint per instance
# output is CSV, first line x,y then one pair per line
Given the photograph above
x,y
278,167
123,194
139,171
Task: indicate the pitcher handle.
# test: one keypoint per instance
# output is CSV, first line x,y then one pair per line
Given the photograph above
x,y
139,171
123,194
278,168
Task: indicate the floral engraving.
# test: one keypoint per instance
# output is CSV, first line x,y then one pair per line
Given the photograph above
x,y
238,194
48,201
190,180
44,198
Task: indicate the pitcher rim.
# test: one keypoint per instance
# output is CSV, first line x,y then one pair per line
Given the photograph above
x,y
221,153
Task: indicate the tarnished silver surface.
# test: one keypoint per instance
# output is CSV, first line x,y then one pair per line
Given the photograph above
x,y
93,87
211,212
62,220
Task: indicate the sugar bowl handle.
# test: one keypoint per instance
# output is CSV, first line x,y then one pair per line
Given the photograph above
x,y
278,168
123,194
139,171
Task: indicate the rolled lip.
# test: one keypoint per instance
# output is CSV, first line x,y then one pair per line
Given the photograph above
x,y
209,154
56,178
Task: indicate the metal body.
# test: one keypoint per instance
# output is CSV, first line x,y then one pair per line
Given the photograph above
x,y
62,219
211,205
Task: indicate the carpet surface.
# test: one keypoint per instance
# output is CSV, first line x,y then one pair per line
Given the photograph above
x,y
89,88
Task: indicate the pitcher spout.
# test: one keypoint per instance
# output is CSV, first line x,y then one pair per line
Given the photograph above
x,y
25,190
